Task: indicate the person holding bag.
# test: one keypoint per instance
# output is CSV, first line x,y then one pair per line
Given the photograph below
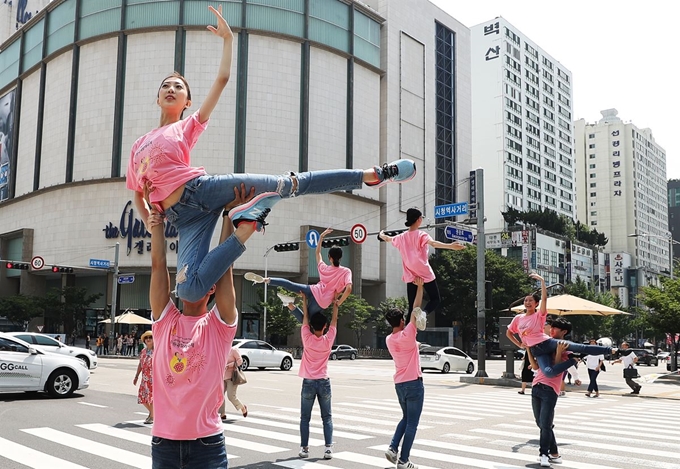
x,y
629,359
231,383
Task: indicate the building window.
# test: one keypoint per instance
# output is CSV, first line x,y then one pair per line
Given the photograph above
x,y
592,166
592,176
593,184
594,214
591,135
593,194
594,223
591,156
592,145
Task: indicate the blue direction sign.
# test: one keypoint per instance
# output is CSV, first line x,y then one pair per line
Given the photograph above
x,y
312,238
123,279
100,263
451,210
458,234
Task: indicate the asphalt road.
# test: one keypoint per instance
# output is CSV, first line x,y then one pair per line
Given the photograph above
x,y
462,425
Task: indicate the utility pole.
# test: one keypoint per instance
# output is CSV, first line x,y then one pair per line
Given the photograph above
x,y
481,276
114,291
264,322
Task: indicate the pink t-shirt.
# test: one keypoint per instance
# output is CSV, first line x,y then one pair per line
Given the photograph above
x,y
332,280
414,252
163,157
314,363
190,354
554,382
404,350
530,327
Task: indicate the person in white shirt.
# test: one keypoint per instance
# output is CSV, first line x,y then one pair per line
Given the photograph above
x,y
594,365
629,359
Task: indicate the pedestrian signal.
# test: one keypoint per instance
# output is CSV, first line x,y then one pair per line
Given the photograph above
x,y
62,270
329,243
17,265
287,247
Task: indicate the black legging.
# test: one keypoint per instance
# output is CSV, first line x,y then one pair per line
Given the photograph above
x,y
432,291
592,374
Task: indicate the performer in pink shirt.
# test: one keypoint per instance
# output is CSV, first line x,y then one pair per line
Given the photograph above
x,y
408,380
335,282
190,355
413,245
193,201
314,373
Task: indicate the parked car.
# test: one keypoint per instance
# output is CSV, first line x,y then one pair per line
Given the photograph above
x,y
445,359
24,367
343,351
422,346
677,361
48,344
645,357
663,356
260,354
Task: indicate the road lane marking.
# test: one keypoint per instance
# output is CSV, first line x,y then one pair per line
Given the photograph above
x,y
31,458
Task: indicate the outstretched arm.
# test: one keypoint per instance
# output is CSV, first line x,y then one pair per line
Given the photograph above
x,y
455,246
318,245
224,72
384,237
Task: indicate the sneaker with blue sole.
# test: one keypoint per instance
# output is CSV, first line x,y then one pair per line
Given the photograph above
x,y
255,211
397,171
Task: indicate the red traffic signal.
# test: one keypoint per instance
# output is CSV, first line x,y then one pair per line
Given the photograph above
x,y
17,265
63,270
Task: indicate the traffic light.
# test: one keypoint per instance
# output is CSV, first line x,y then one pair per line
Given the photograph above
x,y
62,270
391,234
17,265
287,247
329,243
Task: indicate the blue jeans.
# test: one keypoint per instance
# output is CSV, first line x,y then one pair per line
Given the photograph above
x,y
543,401
311,390
411,395
312,306
204,453
543,353
201,205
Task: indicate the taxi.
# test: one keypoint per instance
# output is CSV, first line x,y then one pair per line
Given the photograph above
x,y
24,367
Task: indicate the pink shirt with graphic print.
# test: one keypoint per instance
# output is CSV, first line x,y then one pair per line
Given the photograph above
x,y
314,363
404,350
332,280
189,358
530,327
413,247
555,382
163,157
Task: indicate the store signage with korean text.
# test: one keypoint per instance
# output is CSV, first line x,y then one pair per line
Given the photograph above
x,y
133,231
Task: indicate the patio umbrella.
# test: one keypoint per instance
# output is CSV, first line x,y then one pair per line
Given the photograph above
x,y
128,318
563,305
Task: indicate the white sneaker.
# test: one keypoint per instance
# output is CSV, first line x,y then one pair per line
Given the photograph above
x,y
304,452
421,319
286,300
253,277
406,465
328,454
555,459
545,460
391,455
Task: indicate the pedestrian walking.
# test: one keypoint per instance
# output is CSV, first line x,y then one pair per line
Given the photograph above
x,y
594,364
119,344
87,341
408,379
234,361
145,369
130,345
629,360
106,344
100,345
317,342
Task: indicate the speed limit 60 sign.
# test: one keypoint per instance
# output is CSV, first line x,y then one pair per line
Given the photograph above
x,y
37,263
358,233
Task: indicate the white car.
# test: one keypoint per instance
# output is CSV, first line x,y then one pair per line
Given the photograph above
x,y
25,368
259,354
48,344
445,359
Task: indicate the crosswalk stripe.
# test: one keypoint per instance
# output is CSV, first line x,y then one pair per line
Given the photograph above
x,y
396,408
270,434
584,442
450,458
92,447
358,428
290,426
625,417
369,460
32,458
454,410
605,423
353,418
302,464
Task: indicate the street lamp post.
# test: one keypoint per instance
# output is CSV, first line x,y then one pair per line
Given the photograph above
x,y
264,322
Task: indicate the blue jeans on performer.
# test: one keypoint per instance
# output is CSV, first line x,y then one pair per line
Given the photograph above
x,y
311,390
203,453
543,401
312,305
201,205
543,353
411,395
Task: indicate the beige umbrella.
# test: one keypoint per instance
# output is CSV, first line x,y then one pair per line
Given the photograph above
x,y
563,305
128,318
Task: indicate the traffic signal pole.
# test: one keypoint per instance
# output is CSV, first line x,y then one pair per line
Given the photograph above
x,y
114,291
481,277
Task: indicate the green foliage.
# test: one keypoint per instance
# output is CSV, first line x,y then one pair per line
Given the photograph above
x,y
664,307
64,307
20,308
280,321
457,280
360,314
559,224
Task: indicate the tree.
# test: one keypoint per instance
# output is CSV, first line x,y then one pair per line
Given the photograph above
x,y
382,327
359,312
65,307
280,321
457,280
664,308
20,308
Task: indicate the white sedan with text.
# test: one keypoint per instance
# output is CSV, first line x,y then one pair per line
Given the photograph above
x,y
48,344
24,367
445,359
259,354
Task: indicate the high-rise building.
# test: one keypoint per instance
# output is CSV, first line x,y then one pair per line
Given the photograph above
x,y
622,190
674,213
521,123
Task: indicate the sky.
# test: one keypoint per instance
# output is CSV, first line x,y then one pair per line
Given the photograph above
x,y
620,54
